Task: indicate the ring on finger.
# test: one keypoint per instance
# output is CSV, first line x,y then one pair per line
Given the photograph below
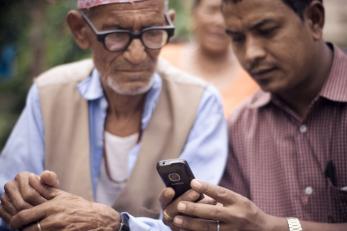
x,y
39,226
167,216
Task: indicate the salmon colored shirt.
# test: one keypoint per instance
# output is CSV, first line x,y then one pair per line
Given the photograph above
x,y
291,166
241,86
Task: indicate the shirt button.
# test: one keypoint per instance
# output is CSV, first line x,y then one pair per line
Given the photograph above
x,y
308,190
303,128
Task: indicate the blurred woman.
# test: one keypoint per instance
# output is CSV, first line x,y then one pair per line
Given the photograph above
x,y
210,56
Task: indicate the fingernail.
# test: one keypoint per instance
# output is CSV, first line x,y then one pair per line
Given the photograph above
x,y
168,193
178,221
181,206
196,184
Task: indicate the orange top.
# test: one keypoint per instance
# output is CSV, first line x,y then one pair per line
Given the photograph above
x,y
239,88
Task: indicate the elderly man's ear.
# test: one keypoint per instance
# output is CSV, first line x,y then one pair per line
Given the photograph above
x,y
79,29
172,15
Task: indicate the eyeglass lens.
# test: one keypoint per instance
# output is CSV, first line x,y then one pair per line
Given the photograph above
x,y
152,39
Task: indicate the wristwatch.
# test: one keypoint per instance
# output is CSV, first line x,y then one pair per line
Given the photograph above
x,y
124,224
294,224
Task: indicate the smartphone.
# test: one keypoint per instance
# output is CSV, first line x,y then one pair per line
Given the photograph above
x,y
176,174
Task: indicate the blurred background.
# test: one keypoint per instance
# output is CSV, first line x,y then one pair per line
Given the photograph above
x,y
34,37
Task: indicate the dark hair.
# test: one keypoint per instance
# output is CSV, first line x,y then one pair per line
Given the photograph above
x,y
298,6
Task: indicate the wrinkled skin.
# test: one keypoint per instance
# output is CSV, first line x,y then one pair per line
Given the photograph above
x,y
31,199
127,72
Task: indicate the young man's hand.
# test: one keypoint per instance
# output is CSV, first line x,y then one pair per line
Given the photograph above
x,y
233,212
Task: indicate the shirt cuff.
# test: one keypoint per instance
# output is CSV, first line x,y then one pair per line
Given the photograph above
x,y
3,226
146,224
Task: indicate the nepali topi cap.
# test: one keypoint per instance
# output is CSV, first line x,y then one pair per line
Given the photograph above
x,y
86,4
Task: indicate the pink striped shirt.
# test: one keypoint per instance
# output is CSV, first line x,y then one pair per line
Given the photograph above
x,y
279,161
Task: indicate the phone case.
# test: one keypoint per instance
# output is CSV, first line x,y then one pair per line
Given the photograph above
x,y
176,174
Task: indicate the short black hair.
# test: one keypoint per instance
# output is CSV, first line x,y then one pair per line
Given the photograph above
x,y
298,6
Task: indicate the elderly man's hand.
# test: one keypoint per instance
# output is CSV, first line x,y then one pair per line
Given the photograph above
x,y
25,191
67,212
236,213
30,199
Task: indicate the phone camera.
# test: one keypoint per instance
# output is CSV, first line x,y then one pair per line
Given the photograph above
x,y
174,177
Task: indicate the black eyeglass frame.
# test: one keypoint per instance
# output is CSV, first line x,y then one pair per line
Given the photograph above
x,y
101,35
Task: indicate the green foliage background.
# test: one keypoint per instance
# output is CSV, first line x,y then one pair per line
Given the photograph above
x,y
38,31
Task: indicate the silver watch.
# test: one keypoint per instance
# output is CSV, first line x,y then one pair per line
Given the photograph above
x,y
294,224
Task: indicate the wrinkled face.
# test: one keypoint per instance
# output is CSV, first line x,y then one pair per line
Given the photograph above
x,y
208,25
128,72
271,42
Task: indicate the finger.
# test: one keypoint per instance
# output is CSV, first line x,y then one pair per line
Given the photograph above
x,y
50,178
189,223
166,196
190,196
204,211
45,191
6,216
165,199
208,200
31,228
29,216
14,195
35,227
29,194
7,205
220,194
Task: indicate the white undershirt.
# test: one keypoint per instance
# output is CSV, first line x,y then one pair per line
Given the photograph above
x,y
117,150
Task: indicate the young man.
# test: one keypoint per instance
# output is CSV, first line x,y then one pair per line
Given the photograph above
x,y
101,125
287,167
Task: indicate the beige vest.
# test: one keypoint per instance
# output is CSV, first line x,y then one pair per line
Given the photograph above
x,y
66,133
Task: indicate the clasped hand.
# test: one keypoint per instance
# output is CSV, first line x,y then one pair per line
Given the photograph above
x,y
29,199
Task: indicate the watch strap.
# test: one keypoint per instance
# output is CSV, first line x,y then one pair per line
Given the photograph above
x,y
124,224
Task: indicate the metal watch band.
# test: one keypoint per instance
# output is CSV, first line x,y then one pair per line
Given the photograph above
x,y
294,224
124,225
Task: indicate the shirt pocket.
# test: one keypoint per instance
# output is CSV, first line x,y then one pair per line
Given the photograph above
x,y
339,203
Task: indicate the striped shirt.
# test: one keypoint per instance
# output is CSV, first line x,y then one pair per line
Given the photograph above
x,y
292,167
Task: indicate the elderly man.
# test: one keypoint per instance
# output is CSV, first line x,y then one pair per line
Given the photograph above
x,y
288,143
102,125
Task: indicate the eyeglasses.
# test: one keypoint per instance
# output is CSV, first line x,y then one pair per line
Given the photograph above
x,y
154,37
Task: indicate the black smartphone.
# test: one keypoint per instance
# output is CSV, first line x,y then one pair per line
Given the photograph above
x,y
176,174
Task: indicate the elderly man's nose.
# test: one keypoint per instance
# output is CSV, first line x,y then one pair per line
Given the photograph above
x,y
136,52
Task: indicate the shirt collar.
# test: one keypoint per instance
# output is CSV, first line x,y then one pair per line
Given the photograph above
x,y
260,99
90,88
335,87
